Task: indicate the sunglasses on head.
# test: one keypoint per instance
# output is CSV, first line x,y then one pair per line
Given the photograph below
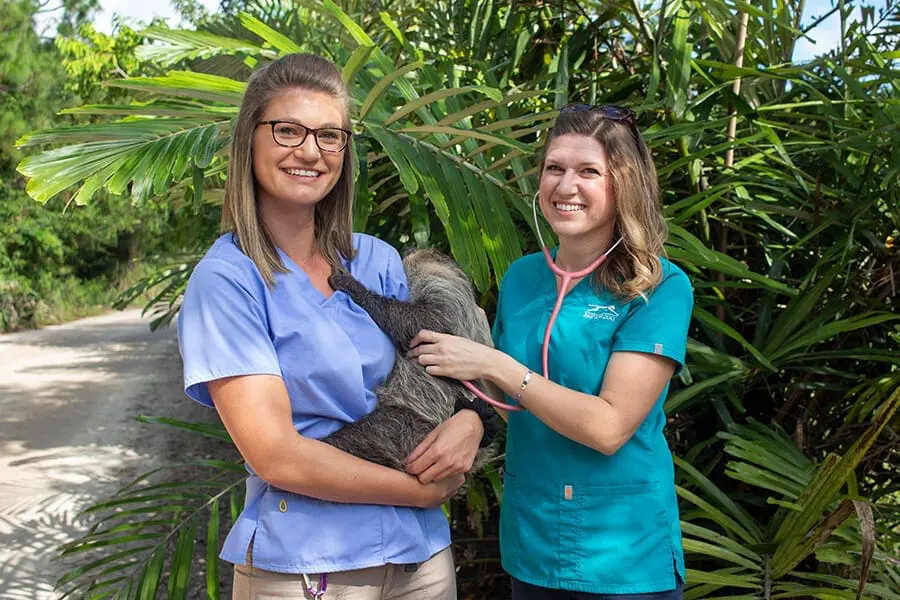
x,y
616,114
610,112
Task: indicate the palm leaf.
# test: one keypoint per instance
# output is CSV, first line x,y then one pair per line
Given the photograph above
x,y
821,492
273,38
195,86
180,45
149,154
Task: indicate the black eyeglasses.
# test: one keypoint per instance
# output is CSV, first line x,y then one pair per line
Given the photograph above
x,y
291,135
610,112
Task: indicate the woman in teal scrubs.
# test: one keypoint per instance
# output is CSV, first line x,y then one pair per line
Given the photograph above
x,y
589,508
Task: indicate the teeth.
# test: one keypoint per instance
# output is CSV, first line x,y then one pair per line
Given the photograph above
x,y
302,172
568,207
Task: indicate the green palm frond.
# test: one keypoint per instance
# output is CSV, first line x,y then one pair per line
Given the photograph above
x,y
178,46
187,84
148,154
125,553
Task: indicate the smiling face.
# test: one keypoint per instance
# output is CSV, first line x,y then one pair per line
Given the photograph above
x,y
576,190
291,179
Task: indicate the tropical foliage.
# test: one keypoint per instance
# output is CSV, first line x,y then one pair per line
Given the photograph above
x,y
58,262
780,189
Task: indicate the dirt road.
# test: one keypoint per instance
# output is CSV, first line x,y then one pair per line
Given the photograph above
x,y
68,398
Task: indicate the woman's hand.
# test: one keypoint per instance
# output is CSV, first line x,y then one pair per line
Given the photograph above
x,y
451,356
449,449
438,492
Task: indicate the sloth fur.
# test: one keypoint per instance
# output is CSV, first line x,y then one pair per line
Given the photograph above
x,y
411,402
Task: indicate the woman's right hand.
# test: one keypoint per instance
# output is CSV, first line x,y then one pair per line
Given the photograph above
x,y
440,490
266,438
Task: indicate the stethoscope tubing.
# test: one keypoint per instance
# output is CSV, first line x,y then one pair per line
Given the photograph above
x,y
567,277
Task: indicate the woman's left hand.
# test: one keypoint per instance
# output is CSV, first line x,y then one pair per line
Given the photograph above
x,y
451,356
449,449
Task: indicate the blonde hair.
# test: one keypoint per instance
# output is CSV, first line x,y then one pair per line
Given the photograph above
x,y
240,212
633,269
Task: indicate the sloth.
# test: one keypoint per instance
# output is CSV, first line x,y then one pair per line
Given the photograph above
x,y
411,402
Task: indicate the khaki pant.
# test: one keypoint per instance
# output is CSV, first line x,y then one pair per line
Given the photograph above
x,y
435,579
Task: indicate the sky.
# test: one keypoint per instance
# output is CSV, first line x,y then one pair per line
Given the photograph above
x,y
826,35
143,10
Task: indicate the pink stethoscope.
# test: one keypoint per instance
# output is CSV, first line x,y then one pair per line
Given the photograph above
x,y
567,277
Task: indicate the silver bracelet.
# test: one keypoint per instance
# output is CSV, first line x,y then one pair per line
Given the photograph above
x,y
524,385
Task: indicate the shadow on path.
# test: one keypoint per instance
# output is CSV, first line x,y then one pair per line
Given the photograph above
x,y
69,396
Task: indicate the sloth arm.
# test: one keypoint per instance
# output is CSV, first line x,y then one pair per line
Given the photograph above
x,y
494,392
400,320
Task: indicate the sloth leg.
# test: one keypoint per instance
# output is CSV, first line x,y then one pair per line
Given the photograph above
x,y
385,436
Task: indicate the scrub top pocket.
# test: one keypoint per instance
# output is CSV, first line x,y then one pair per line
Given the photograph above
x,y
606,525
527,545
285,514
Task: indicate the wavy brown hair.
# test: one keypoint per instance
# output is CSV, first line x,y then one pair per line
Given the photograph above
x,y
240,211
633,269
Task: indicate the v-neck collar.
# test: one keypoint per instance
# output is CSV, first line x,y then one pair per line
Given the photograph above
x,y
292,266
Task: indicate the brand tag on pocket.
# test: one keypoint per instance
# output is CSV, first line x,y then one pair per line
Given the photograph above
x,y
568,493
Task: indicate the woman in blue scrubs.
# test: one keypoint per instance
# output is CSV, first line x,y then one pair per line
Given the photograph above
x,y
589,508
285,360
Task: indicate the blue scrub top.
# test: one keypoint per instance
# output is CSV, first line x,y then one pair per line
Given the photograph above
x,y
573,518
332,357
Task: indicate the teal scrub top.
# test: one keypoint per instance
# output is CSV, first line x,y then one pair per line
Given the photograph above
x,y
573,518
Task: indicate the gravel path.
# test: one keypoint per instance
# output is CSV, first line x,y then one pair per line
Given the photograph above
x,y
68,398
